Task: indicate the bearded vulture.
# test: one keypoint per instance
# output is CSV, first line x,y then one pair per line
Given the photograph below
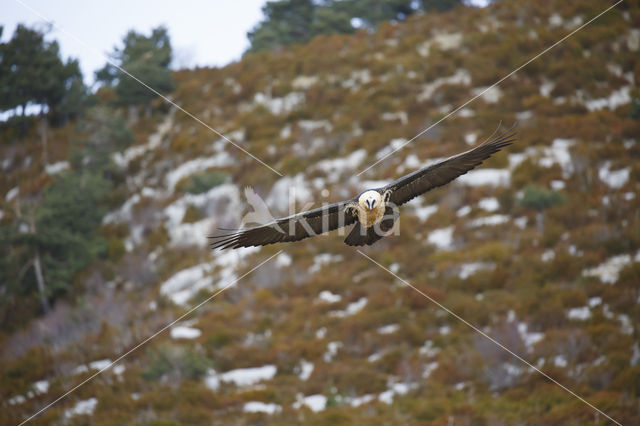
x,y
373,211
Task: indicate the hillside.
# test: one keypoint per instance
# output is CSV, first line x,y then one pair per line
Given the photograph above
x,y
539,247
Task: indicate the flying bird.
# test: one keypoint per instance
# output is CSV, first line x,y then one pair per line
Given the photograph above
x,y
374,211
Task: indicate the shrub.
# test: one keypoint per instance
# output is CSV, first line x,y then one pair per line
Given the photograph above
x,y
181,360
202,182
539,198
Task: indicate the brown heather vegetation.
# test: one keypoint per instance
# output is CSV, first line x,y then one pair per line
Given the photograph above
x,y
272,316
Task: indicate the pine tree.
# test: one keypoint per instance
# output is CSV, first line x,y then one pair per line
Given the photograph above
x,y
148,60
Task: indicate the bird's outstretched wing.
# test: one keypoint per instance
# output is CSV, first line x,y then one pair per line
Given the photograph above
x,y
291,228
435,175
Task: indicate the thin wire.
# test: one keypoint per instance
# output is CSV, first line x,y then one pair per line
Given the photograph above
x,y
62,30
473,327
148,339
492,86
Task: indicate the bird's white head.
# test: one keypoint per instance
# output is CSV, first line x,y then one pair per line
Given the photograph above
x,y
370,200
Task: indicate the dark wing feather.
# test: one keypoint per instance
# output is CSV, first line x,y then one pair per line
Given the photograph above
x,y
291,228
423,180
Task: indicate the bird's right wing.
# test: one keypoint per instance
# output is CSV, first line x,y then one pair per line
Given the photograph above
x,y
291,228
423,180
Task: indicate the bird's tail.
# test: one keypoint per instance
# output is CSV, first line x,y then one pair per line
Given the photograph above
x,y
361,235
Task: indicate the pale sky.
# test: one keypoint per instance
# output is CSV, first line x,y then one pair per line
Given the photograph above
x,y
203,33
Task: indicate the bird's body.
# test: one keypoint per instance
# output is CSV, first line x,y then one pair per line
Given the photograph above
x,y
374,211
370,207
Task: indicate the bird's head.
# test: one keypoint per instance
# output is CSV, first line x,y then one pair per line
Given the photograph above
x,y
369,200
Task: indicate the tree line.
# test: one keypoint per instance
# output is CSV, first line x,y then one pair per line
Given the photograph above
x,y
298,21
48,235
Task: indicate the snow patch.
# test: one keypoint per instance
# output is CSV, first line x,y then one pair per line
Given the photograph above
x,y
388,329
529,338
293,189
583,313
357,79
394,145
555,20
314,402
559,154
633,39
463,211
594,301
392,116
480,177
461,76
187,234
490,95
323,259
283,260
360,400
560,361
306,368
614,179
609,270
469,269
261,407
241,377
489,204
277,106
352,308
18,399
11,194
428,349
41,386
188,168
441,238
55,168
424,212
443,41
84,407
546,87
183,285
304,82
521,222
332,350
396,389
321,333
182,332
625,324
494,220
328,297
548,255
334,167
429,368
154,141
616,98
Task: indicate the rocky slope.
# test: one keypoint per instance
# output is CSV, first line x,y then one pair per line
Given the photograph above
x,y
320,334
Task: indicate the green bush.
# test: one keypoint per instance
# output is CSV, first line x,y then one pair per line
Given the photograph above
x,y
180,360
202,182
539,198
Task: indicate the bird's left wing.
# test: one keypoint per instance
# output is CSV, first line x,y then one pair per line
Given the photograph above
x,y
291,228
423,180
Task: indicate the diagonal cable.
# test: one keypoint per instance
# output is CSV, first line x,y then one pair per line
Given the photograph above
x,y
476,329
492,86
172,323
166,99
